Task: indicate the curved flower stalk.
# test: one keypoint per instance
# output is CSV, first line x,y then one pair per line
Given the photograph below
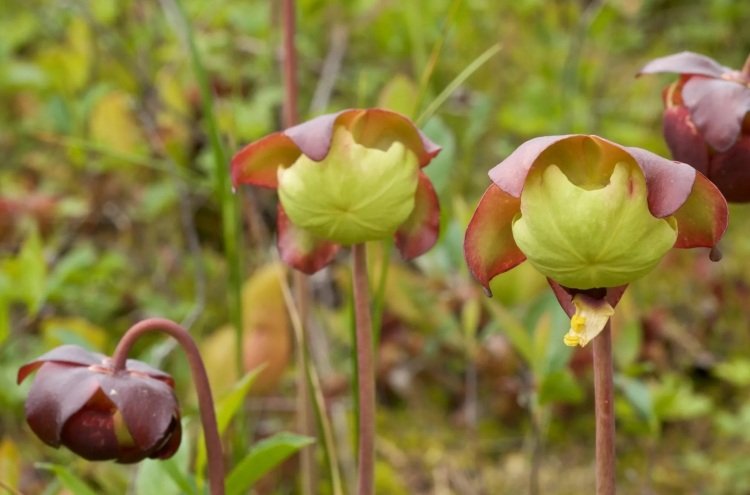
x,y
78,401
344,179
592,216
116,408
707,119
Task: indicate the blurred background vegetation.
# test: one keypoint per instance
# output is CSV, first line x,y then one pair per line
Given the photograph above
x,y
109,213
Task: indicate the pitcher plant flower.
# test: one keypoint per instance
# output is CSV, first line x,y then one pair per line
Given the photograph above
x,y
343,179
592,216
706,119
77,400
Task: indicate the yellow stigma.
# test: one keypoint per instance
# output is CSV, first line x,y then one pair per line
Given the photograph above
x,y
589,319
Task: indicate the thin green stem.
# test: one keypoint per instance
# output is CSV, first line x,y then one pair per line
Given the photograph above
x,y
365,372
605,415
313,380
229,204
200,380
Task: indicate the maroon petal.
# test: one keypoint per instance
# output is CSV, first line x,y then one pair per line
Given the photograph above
x,y
730,171
147,406
685,142
90,432
718,108
685,63
65,354
299,248
258,162
421,229
58,392
702,220
489,246
565,295
134,366
510,174
668,182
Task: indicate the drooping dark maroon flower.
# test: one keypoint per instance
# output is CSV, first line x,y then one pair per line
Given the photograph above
x,y
79,401
707,119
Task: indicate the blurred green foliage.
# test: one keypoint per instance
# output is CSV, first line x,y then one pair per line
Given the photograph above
x,y
108,214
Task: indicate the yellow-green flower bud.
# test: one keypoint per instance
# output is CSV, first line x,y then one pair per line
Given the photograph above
x,y
355,194
586,235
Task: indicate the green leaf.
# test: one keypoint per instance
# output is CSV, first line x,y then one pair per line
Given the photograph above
x,y
442,166
263,457
736,372
512,328
638,395
226,408
68,480
4,320
559,386
170,475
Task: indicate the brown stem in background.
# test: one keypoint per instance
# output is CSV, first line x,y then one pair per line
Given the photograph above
x,y
605,415
305,420
365,371
202,388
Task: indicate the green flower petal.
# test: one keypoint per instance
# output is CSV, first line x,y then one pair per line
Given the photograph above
x,y
587,237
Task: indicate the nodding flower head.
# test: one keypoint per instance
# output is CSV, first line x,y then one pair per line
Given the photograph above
x,y
707,119
78,400
592,216
343,179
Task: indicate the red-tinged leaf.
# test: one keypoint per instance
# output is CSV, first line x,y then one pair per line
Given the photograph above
x,y
299,248
611,295
730,171
685,63
421,229
65,354
257,163
717,108
668,182
489,247
702,220
685,142
379,128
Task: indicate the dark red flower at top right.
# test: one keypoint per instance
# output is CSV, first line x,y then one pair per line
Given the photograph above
x,y
707,119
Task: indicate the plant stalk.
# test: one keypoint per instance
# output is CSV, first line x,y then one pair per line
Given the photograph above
x,y
305,420
604,410
365,372
202,388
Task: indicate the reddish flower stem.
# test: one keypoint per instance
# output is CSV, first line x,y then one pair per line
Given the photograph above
x,y
365,372
202,387
289,64
605,415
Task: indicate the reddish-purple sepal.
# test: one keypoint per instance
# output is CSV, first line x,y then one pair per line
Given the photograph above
x,y
258,162
685,142
65,354
685,63
299,248
730,171
668,182
489,246
420,231
510,174
379,128
564,295
702,219
717,108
